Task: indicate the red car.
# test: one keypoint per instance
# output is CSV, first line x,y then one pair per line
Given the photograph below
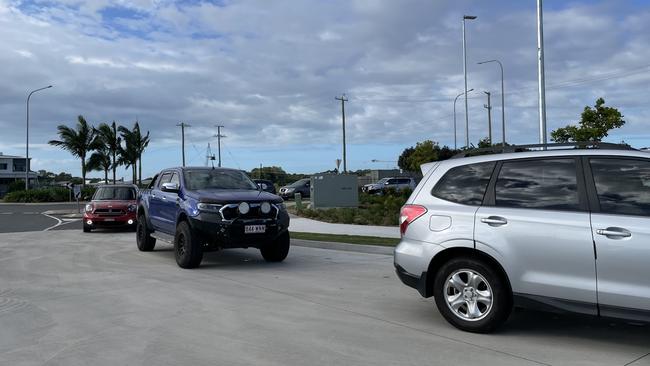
x,y
111,206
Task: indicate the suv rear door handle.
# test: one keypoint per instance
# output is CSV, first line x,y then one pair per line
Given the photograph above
x,y
614,232
494,221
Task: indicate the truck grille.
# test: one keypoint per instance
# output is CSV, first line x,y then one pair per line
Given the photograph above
x,y
109,212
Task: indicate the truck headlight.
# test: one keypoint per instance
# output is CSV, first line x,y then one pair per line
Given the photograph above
x,y
209,207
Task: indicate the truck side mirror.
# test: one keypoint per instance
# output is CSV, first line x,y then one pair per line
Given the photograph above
x,y
170,187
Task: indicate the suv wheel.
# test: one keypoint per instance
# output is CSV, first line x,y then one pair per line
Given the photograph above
x,y
278,250
472,296
143,235
187,247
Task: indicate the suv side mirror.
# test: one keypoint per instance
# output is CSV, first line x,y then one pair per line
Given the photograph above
x,y
170,187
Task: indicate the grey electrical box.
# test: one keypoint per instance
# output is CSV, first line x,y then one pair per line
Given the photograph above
x,y
334,190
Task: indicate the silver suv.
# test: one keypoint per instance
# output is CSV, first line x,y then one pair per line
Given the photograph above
x,y
560,230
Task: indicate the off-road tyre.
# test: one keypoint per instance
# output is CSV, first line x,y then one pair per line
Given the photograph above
x,y
143,238
188,249
278,250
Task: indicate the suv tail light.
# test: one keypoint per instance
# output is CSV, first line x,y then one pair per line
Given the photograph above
x,y
408,214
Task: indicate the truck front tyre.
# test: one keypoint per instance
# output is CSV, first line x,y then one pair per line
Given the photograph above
x,y
278,250
143,236
187,247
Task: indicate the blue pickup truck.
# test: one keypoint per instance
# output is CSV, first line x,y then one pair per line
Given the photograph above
x,y
207,209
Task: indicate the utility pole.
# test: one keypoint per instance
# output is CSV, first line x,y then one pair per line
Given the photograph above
x,y
488,106
183,125
540,74
343,99
219,136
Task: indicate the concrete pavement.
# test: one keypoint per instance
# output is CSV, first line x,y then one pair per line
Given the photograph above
x,y
71,298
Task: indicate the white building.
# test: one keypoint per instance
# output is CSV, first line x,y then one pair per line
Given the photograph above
x,y
12,168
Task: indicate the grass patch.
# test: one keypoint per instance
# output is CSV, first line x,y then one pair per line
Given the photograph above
x,y
350,239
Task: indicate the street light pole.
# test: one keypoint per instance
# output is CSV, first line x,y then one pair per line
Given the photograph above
x,y
27,138
503,101
343,99
488,106
466,17
455,99
540,74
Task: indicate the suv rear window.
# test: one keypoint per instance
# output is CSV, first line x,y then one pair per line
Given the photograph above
x,y
465,184
539,184
622,185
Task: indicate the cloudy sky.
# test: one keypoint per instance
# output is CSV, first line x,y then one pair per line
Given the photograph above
x,y
269,72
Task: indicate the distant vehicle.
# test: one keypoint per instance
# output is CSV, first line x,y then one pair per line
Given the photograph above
x,y
396,183
205,209
111,206
302,186
265,185
561,230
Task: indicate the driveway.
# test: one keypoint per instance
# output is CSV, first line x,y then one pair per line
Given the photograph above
x,y
69,298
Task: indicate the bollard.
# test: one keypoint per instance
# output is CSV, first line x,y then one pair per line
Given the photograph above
x,y
298,198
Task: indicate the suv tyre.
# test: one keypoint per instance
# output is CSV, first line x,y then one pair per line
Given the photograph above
x,y
278,250
471,295
188,249
143,235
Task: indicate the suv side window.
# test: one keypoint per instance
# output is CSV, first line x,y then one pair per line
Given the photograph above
x,y
622,185
549,184
465,184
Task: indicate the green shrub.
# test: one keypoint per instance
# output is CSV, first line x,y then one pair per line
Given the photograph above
x,y
53,194
15,186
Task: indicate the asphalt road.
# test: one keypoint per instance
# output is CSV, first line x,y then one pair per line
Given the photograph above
x,y
69,298
34,217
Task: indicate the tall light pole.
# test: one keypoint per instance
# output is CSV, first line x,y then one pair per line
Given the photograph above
x,y
455,99
540,74
27,138
219,136
503,101
182,125
466,17
343,99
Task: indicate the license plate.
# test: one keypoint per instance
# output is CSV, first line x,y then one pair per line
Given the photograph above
x,y
109,219
254,229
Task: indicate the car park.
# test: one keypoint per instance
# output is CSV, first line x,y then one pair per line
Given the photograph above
x,y
111,206
208,209
301,186
394,183
561,230
265,185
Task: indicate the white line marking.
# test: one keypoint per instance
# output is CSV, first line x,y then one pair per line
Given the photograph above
x,y
59,222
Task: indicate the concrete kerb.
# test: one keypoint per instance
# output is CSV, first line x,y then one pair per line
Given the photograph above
x,y
357,248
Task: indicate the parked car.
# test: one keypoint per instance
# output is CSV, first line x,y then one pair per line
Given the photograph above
x,y
302,186
396,183
205,209
111,206
265,185
565,230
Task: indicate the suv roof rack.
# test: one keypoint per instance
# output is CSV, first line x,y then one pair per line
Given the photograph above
x,y
554,146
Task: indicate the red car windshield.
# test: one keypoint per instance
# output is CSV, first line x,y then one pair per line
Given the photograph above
x,y
114,194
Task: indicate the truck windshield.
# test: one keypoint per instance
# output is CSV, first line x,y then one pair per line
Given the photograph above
x,y
218,179
114,193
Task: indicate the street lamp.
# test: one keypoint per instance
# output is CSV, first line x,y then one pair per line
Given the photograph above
x,y
503,103
27,139
466,17
455,99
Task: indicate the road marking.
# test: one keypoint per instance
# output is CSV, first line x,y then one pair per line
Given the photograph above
x,y
6,213
58,222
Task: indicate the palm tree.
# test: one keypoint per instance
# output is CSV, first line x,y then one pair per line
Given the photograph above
x,y
141,144
101,160
129,152
111,140
77,141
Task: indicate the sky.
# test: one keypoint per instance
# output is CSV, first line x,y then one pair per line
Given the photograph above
x,y
269,71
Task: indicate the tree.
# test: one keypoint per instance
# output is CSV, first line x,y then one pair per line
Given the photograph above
x,y
273,173
128,152
101,160
111,140
141,141
403,160
77,141
595,124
